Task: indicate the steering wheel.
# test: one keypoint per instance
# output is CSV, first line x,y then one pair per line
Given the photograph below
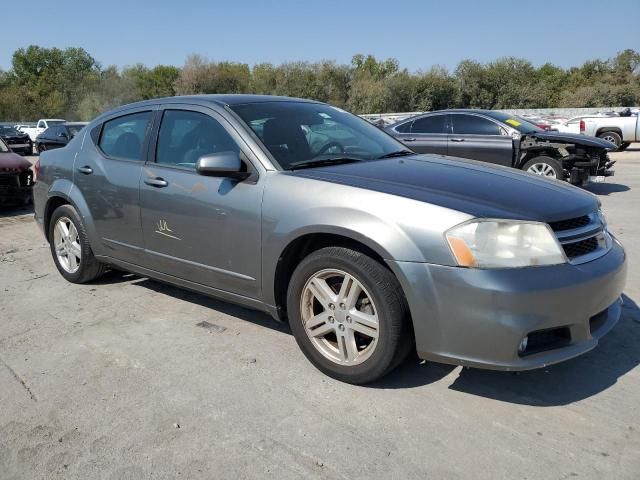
x,y
329,145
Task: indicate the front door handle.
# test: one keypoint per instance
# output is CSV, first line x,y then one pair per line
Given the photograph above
x,y
87,170
457,139
408,139
156,182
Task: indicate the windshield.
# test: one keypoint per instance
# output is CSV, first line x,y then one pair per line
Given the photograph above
x,y
516,122
300,132
4,130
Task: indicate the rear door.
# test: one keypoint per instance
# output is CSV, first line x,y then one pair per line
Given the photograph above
x,y
107,172
200,228
479,138
426,134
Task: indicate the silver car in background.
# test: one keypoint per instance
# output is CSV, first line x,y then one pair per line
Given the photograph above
x,y
366,249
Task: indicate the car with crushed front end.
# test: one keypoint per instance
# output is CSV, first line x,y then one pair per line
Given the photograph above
x,y
504,139
57,136
19,142
16,178
366,249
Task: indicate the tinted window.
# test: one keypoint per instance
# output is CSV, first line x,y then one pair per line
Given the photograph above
x,y
51,132
404,128
186,136
472,125
123,137
429,124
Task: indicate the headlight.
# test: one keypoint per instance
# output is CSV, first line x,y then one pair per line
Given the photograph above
x,y
504,244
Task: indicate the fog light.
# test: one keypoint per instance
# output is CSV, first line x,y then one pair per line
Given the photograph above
x,y
523,344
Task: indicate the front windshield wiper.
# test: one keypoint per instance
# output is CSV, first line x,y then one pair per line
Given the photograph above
x,y
322,162
398,153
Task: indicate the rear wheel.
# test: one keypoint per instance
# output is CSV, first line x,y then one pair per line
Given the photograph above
x,y
348,315
545,166
611,137
70,247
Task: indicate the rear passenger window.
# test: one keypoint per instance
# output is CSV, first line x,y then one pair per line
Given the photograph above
x,y
430,124
123,137
186,136
472,125
404,128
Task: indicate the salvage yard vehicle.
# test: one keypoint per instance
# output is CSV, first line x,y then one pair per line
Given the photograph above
x,y
40,127
365,248
504,139
621,130
57,136
17,141
16,178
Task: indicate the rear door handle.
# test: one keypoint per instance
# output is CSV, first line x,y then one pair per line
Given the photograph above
x,y
87,170
457,139
156,182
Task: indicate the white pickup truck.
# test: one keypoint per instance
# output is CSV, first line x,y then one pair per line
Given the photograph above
x,y
41,126
620,130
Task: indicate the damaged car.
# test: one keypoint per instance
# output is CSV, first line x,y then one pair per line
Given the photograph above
x,y
16,178
507,140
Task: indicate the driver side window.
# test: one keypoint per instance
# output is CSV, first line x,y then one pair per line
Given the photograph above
x,y
185,136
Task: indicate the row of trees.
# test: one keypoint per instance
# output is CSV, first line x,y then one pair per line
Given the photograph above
x,y
70,83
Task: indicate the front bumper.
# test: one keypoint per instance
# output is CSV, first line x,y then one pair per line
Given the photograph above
x,y
479,317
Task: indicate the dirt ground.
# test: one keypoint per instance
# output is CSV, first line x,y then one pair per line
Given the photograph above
x,y
116,380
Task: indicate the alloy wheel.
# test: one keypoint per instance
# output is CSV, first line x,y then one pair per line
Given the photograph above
x,y
67,245
339,317
543,169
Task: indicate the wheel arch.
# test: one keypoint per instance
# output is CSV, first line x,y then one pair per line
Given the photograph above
x,y
602,130
62,192
309,242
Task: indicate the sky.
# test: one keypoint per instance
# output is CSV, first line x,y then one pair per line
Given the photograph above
x,y
419,34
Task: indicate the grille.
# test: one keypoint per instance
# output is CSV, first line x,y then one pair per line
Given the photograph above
x,y
11,180
582,247
570,223
597,321
543,340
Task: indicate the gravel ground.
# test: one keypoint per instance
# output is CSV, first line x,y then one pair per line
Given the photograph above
x,y
116,380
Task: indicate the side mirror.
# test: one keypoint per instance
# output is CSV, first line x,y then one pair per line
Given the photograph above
x,y
222,164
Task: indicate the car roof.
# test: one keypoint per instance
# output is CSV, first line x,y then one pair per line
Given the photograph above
x,y
218,99
75,124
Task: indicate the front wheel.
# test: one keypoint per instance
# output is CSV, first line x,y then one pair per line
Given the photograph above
x,y
545,167
348,315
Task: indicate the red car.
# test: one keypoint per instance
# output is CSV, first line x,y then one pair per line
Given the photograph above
x,y
16,178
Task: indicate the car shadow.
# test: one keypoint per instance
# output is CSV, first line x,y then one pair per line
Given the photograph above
x,y
606,188
249,315
561,384
15,211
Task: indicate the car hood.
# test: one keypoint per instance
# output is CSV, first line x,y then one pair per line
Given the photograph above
x,y
574,138
12,160
468,186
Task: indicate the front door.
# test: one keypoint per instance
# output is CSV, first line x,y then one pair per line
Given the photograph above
x,y
425,134
479,138
107,172
200,228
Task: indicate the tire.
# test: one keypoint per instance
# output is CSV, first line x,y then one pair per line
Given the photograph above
x,y
380,296
612,137
545,166
623,146
88,267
